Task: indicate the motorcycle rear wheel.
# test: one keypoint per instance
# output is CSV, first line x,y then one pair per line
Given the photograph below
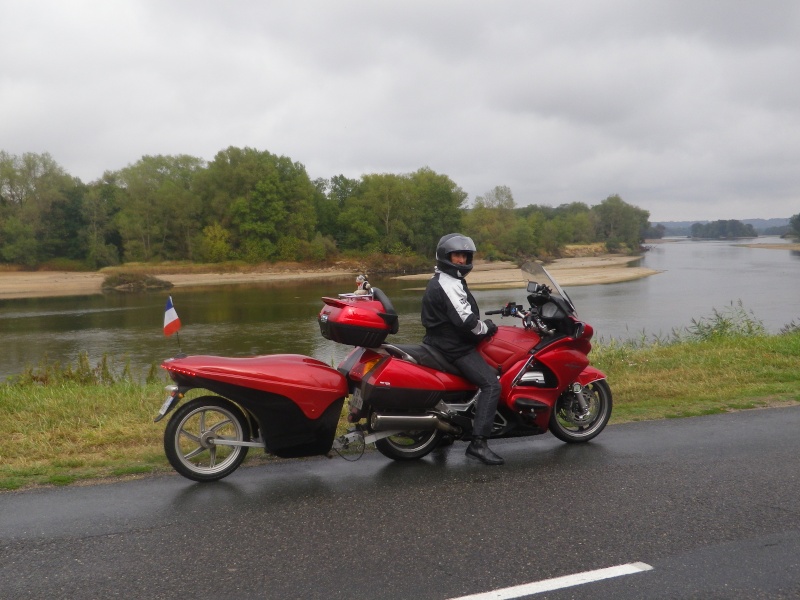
x,y
409,445
190,433
569,424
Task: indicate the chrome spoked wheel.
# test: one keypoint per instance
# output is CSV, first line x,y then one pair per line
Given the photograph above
x,y
191,435
578,419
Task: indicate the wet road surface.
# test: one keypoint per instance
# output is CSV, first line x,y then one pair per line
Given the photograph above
x,y
711,503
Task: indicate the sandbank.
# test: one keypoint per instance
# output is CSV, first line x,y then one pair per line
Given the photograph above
x,y
587,270
568,272
17,284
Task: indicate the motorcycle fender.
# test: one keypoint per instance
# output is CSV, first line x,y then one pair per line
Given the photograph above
x,y
590,375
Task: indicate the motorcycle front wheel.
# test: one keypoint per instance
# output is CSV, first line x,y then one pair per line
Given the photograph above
x,y
409,445
571,423
191,432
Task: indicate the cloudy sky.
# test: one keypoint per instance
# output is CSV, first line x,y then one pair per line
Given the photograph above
x,y
689,109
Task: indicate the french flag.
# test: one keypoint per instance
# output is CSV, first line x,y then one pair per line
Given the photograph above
x,y
171,321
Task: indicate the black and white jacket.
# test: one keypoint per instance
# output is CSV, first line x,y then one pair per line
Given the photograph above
x,y
451,316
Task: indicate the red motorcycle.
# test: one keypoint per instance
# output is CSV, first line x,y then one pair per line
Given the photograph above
x,y
403,398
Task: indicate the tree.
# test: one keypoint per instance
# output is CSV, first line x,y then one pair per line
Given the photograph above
x,y
100,236
19,243
723,229
491,223
655,232
265,202
794,223
159,214
371,217
215,246
37,208
400,213
617,222
436,209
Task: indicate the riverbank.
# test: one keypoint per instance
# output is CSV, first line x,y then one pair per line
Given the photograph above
x,y
18,284
587,270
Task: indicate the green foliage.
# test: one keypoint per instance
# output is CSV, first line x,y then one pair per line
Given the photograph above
x,y
107,371
655,232
215,244
158,208
619,223
731,229
255,206
732,321
19,243
794,224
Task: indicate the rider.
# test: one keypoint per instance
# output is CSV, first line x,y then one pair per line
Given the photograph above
x,y
452,323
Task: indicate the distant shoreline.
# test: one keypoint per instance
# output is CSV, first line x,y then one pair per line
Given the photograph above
x,y
568,271
573,271
586,270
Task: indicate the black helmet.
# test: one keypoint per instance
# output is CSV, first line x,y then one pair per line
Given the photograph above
x,y
454,242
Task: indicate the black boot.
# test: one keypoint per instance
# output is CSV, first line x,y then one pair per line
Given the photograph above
x,y
480,450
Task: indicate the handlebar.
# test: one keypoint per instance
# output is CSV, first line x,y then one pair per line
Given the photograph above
x,y
530,318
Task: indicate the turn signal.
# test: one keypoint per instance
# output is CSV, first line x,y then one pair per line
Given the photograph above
x,y
362,368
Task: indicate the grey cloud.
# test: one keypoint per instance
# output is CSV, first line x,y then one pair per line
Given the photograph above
x,y
687,109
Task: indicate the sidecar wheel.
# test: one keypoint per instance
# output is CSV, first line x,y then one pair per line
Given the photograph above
x,y
409,445
190,433
569,424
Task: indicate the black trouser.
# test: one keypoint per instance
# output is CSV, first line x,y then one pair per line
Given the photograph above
x,y
477,371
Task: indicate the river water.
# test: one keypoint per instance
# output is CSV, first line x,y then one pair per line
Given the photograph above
x,y
239,320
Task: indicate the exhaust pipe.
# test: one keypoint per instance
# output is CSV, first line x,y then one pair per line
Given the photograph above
x,y
409,423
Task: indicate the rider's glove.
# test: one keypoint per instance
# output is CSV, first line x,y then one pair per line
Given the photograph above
x,y
491,327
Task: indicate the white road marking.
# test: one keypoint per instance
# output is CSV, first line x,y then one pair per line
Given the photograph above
x,y
557,583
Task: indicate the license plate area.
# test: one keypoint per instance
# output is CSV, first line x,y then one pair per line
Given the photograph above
x,y
165,407
356,401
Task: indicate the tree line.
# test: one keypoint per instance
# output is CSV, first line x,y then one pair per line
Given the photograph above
x,y
730,229
254,206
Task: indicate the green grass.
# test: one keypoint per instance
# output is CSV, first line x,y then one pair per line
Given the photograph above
x,y
726,362
64,425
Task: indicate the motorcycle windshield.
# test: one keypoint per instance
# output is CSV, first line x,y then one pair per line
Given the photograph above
x,y
534,272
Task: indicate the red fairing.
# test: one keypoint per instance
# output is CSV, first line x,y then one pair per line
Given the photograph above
x,y
590,375
308,382
508,346
402,374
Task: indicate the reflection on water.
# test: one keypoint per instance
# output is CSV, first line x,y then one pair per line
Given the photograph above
x,y
696,278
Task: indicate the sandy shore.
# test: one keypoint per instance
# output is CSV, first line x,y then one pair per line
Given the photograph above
x,y
49,284
588,270
568,271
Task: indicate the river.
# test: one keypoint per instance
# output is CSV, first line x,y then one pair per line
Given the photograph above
x,y
239,320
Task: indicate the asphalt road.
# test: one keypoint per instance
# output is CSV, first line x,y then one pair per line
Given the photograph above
x,y
710,503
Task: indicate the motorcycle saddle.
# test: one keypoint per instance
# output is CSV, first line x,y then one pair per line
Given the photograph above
x,y
422,354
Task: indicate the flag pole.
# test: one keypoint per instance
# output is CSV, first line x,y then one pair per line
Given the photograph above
x,y
171,322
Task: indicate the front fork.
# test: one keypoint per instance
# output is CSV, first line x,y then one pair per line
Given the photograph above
x,y
577,389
